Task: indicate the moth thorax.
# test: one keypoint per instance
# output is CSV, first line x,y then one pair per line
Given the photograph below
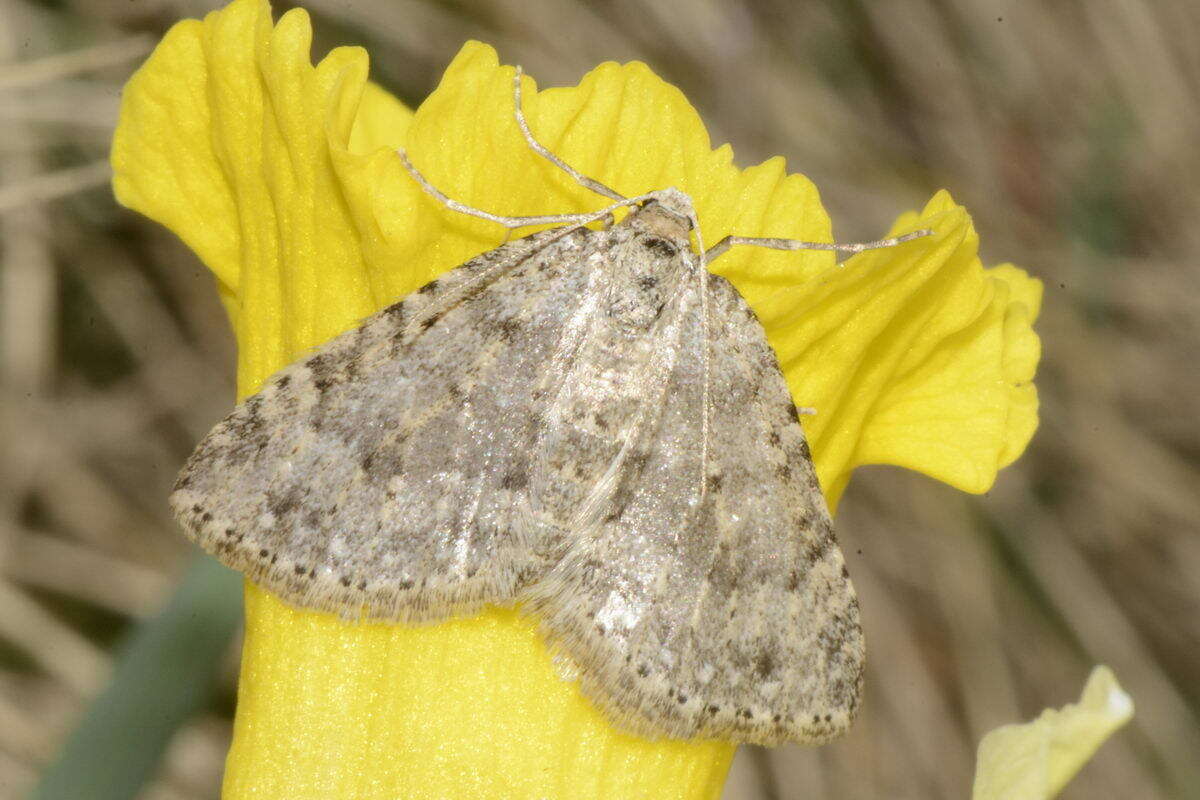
x,y
646,269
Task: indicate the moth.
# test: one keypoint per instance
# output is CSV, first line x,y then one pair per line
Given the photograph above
x,y
582,421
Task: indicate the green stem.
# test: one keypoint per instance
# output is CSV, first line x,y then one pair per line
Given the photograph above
x,y
162,676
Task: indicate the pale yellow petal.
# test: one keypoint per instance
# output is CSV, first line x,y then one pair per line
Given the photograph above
x,y
1034,761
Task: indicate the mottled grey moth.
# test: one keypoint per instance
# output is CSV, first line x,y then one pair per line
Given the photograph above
x,y
582,421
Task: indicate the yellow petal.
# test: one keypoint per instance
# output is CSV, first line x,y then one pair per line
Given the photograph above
x,y
1035,760
280,176
468,708
163,159
222,137
915,356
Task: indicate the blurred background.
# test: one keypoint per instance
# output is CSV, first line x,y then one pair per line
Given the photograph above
x,y
1068,129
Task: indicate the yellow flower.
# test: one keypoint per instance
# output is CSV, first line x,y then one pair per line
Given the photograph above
x,y
282,177
1035,760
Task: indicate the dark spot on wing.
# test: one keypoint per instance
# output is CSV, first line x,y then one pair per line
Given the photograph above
x,y
396,312
636,461
508,328
648,281
248,427
323,371
514,479
792,413
764,665
281,503
429,287
317,364
819,549
354,363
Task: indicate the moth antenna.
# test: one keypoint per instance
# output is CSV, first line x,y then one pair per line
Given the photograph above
x,y
508,222
720,247
583,180
575,220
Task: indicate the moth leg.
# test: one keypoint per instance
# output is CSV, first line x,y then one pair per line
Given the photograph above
x,y
720,247
537,147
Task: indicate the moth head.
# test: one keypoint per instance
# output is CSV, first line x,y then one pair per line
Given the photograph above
x,y
675,202
667,213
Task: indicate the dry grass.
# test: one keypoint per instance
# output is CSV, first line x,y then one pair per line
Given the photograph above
x,y
1069,129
